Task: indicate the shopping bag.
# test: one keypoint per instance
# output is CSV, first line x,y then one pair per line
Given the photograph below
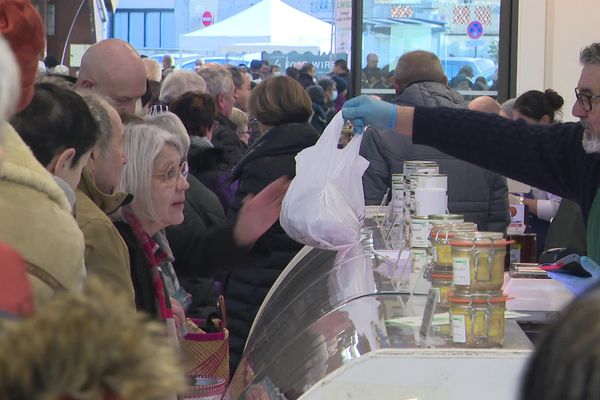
x,y
206,354
324,205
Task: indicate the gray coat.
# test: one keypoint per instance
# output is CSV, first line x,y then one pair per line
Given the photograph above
x,y
480,195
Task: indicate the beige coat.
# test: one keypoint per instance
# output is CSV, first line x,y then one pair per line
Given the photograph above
x,y
35,220
106,254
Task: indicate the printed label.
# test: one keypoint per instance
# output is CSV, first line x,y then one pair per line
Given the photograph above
x,y
461,273
515,254
419,235
419,259
459,329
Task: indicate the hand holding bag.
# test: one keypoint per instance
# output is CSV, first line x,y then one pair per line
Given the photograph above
x,y
324,205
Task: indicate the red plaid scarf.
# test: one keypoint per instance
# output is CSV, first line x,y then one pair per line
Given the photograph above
x,y
155,256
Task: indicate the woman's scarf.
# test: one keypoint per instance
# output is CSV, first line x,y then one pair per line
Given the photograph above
x,y
155,256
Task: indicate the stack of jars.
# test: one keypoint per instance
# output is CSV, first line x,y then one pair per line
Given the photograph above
x,y
476,301
440,268
422,169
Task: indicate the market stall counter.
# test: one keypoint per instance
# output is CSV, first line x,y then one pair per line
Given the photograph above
x,y
334,326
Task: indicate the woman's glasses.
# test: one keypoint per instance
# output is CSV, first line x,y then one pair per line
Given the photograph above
x,y
174,172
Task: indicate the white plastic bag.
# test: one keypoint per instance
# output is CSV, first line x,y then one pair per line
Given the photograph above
x,y
324,205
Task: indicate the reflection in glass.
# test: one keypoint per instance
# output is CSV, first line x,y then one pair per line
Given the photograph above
x,y
464,35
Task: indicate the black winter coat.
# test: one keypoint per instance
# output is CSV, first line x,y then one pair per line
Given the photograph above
x,y
271,157
224,137
203,247
210,166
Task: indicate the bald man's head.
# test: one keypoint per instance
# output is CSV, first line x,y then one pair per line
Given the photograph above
x,y
418,66
484,104
114,69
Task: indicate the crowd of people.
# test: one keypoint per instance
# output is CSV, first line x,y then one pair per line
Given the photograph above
x,y
133,195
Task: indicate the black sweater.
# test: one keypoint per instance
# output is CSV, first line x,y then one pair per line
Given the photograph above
x,y
549,157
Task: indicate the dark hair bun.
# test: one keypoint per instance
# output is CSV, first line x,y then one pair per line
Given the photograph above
x,y
555,99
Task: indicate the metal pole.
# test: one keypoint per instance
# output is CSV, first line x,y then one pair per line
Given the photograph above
x,y
356,45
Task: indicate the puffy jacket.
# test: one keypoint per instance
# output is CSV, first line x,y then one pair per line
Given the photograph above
x,y
36,221
480,195
271,156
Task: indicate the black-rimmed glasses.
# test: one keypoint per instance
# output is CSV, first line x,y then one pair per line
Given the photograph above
x,y
585,99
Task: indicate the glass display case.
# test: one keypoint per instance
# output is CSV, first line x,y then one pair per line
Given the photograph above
x,y
333,325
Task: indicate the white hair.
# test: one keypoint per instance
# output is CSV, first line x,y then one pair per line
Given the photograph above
x,y
153,69
10,81
218,80
179,82
171,123
142,144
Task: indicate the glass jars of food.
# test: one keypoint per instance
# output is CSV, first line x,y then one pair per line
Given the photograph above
x,y
440,236
477,320
478,261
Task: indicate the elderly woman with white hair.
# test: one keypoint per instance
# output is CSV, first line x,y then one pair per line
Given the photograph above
x,y
156,176
205,244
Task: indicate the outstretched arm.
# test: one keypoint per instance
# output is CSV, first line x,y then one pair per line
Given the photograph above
x,y
367,110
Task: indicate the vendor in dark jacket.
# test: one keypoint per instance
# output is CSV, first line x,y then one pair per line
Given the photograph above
x,y
283,109
478,194
562,159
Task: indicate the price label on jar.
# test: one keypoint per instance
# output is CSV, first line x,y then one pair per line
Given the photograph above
x,y
461,271
459,329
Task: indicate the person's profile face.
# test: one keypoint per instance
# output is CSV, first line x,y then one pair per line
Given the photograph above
x,y
108,165
589,84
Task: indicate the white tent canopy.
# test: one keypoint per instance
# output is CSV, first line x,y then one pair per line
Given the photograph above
x,y
271,24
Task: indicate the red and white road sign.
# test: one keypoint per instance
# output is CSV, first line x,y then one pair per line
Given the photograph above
x,y
207,18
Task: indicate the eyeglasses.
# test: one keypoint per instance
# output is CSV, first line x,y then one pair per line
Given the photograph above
x,y
174,172
585,100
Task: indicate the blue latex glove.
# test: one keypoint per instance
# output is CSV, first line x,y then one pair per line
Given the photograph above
x,y
577,285
366,110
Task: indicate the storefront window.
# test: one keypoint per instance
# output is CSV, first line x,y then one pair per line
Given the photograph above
x,y
465,34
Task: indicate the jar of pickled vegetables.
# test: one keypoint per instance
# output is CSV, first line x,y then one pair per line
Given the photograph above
x,y
478,261
477,320
440,236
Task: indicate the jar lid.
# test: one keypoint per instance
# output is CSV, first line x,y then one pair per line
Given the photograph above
x,y
479,239
445,276
449,230
496,243
447,217
478,298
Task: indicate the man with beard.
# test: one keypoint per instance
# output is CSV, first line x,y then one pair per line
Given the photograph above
x,y
559,158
